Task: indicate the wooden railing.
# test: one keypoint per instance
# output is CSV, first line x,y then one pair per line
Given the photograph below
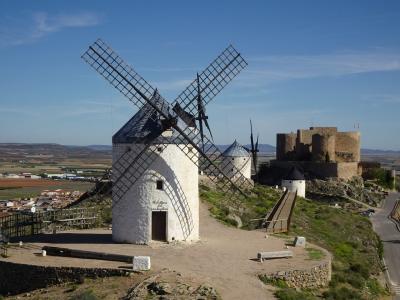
x,y
26,223
395,213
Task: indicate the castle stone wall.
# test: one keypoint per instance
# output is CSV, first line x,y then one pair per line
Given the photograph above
x,y
285,145
323,147
345,170
348,146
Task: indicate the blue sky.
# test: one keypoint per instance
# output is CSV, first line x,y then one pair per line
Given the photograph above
x,y
321,63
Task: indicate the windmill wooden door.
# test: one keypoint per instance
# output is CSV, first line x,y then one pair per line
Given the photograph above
x,y
159,225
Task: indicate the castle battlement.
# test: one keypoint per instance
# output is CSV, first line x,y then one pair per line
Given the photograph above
x,y
320,149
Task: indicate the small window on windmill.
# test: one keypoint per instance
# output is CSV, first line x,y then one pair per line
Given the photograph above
x,y
160,185
233,158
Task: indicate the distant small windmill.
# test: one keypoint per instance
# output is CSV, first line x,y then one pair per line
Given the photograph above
x,y
158,152
254,150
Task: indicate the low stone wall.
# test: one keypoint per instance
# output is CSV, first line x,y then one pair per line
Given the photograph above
x,y
316,277
20,278
344,170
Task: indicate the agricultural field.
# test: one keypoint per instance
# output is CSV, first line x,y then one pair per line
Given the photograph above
x,y
93,166
23,188
51,158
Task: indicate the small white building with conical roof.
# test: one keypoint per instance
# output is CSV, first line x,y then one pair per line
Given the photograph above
x,y
295,181
236,157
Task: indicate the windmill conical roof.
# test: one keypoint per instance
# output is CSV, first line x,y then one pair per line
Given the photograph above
x,y
294,174
236,150
145,126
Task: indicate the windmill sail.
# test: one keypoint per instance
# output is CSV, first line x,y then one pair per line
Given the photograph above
x,y
213,79
131,166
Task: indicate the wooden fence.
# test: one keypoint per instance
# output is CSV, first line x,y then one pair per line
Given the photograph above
x,y
26,223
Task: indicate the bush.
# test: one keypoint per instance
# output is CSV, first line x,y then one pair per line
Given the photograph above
x,y
360,269
86,295
375,288
382,177
292,294
342,293
280,283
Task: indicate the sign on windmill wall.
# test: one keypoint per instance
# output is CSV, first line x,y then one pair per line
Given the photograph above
x,y
159,204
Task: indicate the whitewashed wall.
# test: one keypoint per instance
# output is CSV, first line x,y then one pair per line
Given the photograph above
x,y
295,185
240,163
180,198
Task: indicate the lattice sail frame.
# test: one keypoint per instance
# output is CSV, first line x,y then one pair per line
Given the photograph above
x,y
212,80
132,165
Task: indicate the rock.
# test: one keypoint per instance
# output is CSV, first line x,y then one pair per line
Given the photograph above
x,y
206,291
141,263
300,241
238,220
159,288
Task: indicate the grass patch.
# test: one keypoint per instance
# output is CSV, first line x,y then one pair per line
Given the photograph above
x,y
277,282
260,201
86,295
315,254
292,294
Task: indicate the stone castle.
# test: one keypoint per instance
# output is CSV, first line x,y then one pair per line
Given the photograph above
x,y
321,152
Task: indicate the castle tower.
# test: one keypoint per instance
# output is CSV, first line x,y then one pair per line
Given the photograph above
x,y
323,147
239,157
295,181
163,204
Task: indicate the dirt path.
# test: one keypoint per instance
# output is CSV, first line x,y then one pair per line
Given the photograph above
x,y
224,257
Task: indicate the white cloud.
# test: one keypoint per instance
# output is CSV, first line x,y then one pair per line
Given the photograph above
x,y
21,31
266,69
379,99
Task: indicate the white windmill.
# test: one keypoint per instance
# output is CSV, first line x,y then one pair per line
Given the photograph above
x,y
158,152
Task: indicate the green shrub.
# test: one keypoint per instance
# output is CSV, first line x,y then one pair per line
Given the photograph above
x,y
86,295
280,283
342,293
315,254
292,294
360,269
375,288
343,250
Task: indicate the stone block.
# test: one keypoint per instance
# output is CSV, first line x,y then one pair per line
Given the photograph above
x,y
300,241
141,263
274,254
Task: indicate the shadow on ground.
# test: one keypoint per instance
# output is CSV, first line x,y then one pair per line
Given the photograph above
x,y
68,238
